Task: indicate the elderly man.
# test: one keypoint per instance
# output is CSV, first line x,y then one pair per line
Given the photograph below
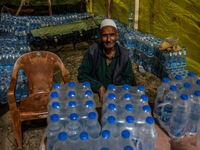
x,y
106,62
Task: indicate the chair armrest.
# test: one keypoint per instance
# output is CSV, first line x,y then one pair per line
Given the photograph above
x,y
11,94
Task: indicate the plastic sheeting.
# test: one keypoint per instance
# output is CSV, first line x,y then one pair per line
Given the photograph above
x,y
163,18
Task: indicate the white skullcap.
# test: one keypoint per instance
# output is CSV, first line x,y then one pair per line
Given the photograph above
x,y
108,22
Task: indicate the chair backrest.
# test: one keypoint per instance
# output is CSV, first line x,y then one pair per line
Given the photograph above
x,y
38,67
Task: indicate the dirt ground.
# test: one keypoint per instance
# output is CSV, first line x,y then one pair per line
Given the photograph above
x,y
32,134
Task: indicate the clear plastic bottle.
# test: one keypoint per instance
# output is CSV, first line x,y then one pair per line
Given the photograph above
x,y
63,142
74,127
162,90
130,19
93,127
110,99
177,81
147,135
111,125
52,131
191,78
110,111
194,116
179,118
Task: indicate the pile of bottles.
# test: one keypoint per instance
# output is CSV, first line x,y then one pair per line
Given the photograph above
x,y
22,87
73,120
21,26
144,50
126,108
177,105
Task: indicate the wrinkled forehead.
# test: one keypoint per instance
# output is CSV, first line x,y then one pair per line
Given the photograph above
x,y
108,29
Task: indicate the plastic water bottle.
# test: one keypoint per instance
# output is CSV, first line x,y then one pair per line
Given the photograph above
x,y
63,142
172,95
105,140
53,95
52,131
111,99
179,118
194,114
196,86
191,78
186,89
93,127
73,128
147,135
124,141
162,90
110,111
130,19
177,81
90,106
143,101
111,125
85,142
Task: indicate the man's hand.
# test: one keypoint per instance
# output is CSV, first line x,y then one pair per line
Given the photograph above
x,y
102,91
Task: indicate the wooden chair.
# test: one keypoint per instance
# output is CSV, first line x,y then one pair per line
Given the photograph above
x,y
38,67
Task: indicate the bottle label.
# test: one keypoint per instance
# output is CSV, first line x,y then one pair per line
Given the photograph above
x,y
130,20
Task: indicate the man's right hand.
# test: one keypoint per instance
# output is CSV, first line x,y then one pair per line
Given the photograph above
x,y
102,91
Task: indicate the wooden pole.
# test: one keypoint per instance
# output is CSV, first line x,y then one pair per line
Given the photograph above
x,y
136,14
50,10
109,9
20,7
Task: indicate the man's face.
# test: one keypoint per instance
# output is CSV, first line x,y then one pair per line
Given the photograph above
x,y
109,36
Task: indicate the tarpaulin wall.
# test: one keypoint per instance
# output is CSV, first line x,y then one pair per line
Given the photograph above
x,y
162,18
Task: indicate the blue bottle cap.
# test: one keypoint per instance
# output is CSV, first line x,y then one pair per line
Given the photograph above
x,y
92,115
141,88
165,80
186,85
197,93
127,96
125,134
150,120
84,136
191,74
130,119
73,116
178,77
104,148
146,108
111,96
56,85
184,97
71,94
105,134
54,117
144,97
72,104
128,147
56,105
173,88
89,103
112,106
62,136
86,84
111,119
129,107
126,87
54,94
88,93
198,81
71,84
111,87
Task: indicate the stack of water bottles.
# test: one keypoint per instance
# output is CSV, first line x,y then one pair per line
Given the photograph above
x,y
126,108
73,120
21,26
144,50
177,105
